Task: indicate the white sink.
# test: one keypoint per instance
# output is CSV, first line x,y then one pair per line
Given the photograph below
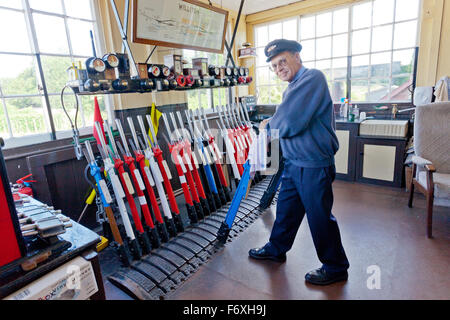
x,y
390,128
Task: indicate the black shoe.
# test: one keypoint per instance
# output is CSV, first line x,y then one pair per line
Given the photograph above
x,y
321,277
262,254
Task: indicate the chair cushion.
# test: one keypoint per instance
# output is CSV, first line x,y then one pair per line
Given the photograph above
x,y
432,134
441,183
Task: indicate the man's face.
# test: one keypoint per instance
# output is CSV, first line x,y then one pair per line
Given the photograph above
x,y
286,65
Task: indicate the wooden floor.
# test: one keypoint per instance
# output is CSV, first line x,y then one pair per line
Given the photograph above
x,y
380,234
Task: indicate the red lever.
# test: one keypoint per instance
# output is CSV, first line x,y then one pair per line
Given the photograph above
x,y
159,158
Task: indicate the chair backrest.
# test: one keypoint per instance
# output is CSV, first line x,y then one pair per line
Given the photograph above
x,y
432,134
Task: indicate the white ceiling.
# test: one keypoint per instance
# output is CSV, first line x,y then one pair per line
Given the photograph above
x,y
252,6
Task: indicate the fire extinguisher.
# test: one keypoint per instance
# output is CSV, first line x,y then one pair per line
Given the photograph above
x,y
24,186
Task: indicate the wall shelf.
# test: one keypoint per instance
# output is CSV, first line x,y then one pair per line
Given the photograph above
x,y
87,93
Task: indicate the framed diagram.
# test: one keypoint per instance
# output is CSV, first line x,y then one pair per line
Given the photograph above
x,y
187,24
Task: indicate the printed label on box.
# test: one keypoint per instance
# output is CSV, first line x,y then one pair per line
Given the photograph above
x,y
74,280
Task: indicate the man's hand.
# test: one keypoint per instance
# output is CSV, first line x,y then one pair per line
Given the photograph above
x,y
263,124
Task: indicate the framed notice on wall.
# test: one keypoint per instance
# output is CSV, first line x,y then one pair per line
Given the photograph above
x,y
187,24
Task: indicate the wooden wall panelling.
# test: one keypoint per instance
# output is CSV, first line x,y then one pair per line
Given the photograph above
x,y
60,182
430,35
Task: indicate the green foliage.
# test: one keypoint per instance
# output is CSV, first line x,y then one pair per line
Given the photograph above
x,y
55,72
24,83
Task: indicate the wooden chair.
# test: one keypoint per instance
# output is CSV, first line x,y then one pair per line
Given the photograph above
x,y
431,163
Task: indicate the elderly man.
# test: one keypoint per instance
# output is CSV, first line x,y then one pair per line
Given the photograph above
x,y
306,125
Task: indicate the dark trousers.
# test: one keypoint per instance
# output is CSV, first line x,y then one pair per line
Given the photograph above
x,y
308,190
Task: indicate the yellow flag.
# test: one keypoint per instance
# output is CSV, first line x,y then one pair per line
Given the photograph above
x,y
154,115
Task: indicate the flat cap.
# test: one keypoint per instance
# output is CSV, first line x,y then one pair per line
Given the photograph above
x,y
277,46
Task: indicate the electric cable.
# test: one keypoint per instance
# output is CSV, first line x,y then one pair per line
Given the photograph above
x,y
76,135
74,126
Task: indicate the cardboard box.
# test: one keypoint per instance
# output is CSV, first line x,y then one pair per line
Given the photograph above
x,y
75,280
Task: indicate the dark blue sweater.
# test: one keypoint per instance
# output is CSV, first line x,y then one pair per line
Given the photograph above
x,y
305,121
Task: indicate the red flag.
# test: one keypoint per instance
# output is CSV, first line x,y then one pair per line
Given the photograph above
x,y
98,117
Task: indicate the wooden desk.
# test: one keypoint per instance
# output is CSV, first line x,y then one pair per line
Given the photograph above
x,y
76,241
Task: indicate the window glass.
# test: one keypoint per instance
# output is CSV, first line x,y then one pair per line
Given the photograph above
x,y
62,38
26,115
263,94
216,96
220,96
262,75
47,5
87,103
276,93
205,100
18,75
362,15
307,27
80,37
325,67
323,48
13,20
340,20
380,49
383,11
51,33
262,36
382,38
55,69
360,90
4,129
338,90
380,64
401,88
79,9
309,64
192,99
379,90
340,45
323,24
308,50
59,117
275,31
405,34
406,9
290,29
402,62
273,78
360,66
260,57
361,41
202,97
16,4
339,69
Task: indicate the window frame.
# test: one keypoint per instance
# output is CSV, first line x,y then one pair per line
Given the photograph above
x,y
42,92
349,32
